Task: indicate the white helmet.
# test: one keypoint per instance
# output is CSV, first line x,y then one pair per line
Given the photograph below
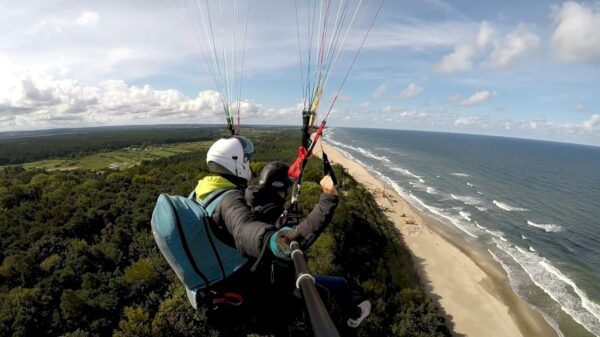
x,y
231,156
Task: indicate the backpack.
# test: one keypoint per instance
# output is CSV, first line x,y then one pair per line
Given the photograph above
x,y
183,232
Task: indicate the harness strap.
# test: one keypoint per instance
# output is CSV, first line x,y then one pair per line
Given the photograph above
x,y
229,298
266,240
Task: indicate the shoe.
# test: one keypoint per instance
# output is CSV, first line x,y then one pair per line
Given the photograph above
x,y
365,310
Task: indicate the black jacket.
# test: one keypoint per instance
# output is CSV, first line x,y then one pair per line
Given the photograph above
x,y
248,234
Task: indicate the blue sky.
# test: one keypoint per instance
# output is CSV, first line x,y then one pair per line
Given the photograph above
x,y
511,68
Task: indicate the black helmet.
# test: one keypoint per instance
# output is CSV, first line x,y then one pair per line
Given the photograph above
x,y
275,175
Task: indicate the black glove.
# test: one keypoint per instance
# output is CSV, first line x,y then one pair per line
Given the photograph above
x,y
280,241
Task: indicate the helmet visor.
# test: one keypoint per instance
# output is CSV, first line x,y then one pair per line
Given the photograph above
x,y
247,146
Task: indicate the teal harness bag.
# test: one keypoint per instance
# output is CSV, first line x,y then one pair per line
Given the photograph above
x,y
182,230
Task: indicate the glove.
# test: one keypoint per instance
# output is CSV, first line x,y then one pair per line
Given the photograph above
x,y
280,241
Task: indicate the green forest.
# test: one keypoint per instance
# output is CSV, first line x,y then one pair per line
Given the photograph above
x,y
78,257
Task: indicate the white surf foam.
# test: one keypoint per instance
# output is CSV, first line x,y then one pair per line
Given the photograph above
x,y
498,234
370,154
460,174
523,237
358,149
547,227
431,190
481,209
532,249
439,212
507,207
406,172
511,279
469,184
564,291
392,183
467,199
465,215
479,192
516,284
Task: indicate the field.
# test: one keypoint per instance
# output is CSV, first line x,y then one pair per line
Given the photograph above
x,y
118,159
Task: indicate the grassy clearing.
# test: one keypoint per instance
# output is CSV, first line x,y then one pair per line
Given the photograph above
x,y
118,159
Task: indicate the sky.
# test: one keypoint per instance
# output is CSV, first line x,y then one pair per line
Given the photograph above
x,y
510,68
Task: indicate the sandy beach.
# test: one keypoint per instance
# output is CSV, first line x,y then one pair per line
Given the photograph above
x,y
473,291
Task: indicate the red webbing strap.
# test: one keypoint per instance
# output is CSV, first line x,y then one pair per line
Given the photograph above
x,y
297,166
229,298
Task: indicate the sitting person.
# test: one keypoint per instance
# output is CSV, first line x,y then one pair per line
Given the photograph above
x,y
267,201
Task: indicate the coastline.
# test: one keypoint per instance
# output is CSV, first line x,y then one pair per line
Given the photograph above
x,y
472,290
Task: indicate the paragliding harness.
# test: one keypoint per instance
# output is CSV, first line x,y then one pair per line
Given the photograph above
x,y
186,236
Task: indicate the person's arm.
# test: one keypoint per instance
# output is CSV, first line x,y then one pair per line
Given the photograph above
x,y
322,213
237,217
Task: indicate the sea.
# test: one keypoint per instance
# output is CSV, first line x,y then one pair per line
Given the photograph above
x,y
533,205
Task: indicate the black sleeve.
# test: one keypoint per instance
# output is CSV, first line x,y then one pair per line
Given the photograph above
x,y
319,217
236,216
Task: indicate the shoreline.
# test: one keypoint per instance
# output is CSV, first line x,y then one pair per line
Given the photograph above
x,y
478,301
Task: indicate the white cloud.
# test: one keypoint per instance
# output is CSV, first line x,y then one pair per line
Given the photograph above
x,y
411,91
512,46
88,19
31,101
464,54
485,35
593,124
468,121
378,92
477,98
576,35
414,34
341,98
461,59
475,49
581,108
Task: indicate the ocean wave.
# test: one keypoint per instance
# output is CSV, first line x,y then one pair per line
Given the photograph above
x,y
469,184
392,183
507,207
467,199
498,234
516,283
524,237
479,192
511,279
547,227
368,153
406,172
421,186
481,209
360,150
431,190
564,291
439,212
532,249
465,215
460,174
